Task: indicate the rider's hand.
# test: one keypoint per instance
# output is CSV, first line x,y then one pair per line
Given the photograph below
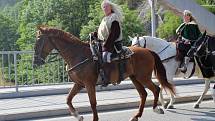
x,y
94,35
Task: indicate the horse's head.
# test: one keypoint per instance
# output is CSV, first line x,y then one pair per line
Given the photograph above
x,y
136,41
42,48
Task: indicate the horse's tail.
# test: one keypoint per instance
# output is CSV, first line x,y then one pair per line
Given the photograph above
x,y
160,73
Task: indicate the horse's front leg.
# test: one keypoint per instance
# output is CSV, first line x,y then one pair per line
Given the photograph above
x,y
207,86
92,97
76,89
143,94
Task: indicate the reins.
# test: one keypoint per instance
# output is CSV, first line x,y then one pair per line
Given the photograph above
x,y
79,64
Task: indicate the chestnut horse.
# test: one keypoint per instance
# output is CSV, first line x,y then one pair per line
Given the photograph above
x,y
83,70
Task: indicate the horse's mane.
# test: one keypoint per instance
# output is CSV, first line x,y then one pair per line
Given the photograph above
x,y
157,39
60,34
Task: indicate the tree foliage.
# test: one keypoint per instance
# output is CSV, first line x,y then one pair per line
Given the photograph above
x,y
8,34
68,15
167,29
131,23
205,2
208,4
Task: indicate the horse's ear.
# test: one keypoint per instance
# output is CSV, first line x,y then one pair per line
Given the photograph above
x,y
203,35
39,27
42,27
130,38
205,32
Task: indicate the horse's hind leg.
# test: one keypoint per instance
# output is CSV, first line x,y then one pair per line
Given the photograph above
x,y
143,94
162,101
172,100
76,89
166,104
155,90
207,86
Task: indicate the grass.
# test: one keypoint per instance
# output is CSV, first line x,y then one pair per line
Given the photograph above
x,y
3,82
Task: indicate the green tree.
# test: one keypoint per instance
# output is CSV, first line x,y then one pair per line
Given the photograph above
x,y
205,2
8,26
131,23
8,34
208,4
95,15
68,15
167,29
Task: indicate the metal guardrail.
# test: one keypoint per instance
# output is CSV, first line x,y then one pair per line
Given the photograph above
x,y
16,70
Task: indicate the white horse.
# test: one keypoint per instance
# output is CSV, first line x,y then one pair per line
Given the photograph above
x,y
167,52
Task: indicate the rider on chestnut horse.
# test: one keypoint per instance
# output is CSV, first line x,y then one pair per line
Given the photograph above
x,y
110,33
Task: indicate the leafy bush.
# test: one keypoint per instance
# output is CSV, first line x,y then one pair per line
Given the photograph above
x,y
210,8
131,23
171,23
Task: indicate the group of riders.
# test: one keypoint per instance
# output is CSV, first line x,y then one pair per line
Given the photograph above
x,y
110,32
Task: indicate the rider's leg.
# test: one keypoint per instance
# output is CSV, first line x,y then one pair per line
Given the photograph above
x,y
118,50
185,64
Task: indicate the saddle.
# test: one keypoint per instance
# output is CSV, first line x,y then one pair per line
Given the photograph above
x,y
118,61
126,53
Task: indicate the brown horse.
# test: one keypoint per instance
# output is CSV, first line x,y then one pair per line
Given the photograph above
x,y
84,72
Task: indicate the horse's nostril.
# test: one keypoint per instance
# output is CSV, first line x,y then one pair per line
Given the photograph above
x,y
37,62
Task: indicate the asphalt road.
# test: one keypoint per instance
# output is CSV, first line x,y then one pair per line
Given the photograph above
x,y
182,112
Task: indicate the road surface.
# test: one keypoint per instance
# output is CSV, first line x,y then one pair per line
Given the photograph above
x,y
183,112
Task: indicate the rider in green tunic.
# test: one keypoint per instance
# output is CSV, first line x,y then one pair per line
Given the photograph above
x,y
188,33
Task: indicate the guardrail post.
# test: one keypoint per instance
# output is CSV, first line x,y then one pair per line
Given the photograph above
x,y
15,70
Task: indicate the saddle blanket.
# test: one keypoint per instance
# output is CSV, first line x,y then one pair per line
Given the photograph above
x,y
167,51
126,53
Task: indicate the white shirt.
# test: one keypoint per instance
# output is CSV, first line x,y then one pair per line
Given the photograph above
x,y
105,26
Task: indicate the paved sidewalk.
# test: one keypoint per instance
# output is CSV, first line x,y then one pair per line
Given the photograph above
x,y
63,89
52,105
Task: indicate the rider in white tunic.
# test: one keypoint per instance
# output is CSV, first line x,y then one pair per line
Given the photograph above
x,y
110,30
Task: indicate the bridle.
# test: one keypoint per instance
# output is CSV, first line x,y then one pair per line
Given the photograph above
x,y
46,37
38,56
41,60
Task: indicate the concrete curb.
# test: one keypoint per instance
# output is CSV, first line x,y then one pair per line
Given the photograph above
x,y
87,109
64,90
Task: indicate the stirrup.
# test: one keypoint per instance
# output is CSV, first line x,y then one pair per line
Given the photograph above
x,y
104,81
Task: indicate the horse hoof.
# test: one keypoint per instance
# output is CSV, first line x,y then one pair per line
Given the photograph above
x,y
134,119
196,106
81,118
170,107
158,110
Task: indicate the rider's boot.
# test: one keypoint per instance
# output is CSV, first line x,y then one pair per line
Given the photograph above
x,y
104,79
185,64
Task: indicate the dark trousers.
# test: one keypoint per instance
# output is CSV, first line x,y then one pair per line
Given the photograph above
x,y
183,50
117,47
